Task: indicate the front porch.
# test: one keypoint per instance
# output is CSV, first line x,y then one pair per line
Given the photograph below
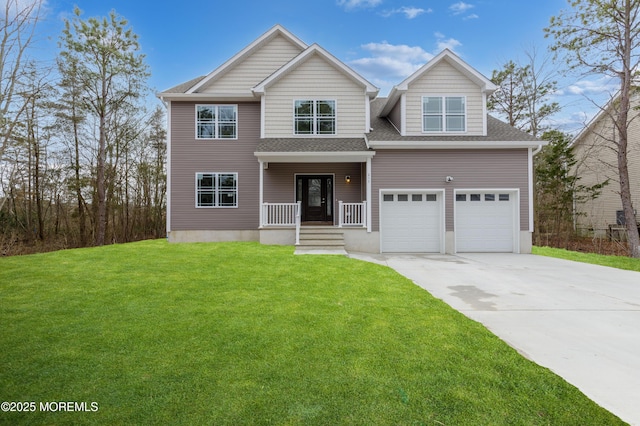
x,y
287,218
322,182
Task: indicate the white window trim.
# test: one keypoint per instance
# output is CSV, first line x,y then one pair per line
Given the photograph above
x,y
444,114
216,122
215,190
314,134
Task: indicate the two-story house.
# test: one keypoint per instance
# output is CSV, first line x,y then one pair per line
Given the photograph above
x,y
596,154
284,137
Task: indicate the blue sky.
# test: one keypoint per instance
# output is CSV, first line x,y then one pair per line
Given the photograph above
x,y
384,40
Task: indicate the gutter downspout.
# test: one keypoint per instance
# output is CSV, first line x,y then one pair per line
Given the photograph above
x,y
533,152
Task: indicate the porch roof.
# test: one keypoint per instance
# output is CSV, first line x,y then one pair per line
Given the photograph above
x,y
312,150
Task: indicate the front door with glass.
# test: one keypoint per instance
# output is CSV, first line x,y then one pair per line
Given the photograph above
x,y
316,196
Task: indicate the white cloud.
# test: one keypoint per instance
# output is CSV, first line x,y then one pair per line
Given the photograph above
x,y
605,85
409,12
446,43
391,61
398,51
472,16
354,4
20,7
388,64
460,7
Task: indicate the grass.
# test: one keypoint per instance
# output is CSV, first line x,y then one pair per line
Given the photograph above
x,y
620,262
239,333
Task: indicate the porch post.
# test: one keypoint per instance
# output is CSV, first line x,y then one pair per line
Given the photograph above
x,y
261,198
368,171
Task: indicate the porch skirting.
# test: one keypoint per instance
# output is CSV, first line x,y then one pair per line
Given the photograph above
x,y
355,239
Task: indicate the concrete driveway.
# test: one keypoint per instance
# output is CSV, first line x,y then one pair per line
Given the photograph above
x,y
581,321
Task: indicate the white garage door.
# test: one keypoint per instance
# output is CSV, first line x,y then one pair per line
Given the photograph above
x,y
485,221
411,222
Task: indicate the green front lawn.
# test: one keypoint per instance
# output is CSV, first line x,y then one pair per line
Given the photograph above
x,y
620,262
241,333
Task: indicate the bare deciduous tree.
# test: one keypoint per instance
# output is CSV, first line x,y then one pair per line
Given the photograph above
x,y
602,37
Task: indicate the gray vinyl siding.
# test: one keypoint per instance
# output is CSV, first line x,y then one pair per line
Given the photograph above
x,y
279,181
255,68
444,80
596,162
189,156
315,79
485,169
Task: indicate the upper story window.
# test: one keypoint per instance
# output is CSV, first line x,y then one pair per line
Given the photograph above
x,y
443,114
216,121
314,117
216,190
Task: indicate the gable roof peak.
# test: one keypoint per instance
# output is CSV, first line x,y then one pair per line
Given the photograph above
x,y
486,85
316,49
454,60
273,32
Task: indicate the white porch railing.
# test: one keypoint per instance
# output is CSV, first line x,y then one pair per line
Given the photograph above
x,y
282,214
352,214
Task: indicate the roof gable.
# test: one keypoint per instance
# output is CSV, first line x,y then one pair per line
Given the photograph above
x,y
485,85
316,51
446,55
252,48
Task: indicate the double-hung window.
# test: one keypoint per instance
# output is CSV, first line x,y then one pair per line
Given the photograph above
x,y
216,190
443,114
216,121
314,117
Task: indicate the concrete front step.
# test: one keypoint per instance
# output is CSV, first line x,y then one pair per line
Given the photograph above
x,y
321,240
321,237
320,250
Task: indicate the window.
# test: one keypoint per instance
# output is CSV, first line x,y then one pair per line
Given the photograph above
x,y
387,197
216,190
416,197
216,121
314,117
443,113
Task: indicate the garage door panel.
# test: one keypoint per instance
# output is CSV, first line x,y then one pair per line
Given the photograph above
x,y
411,222
484,222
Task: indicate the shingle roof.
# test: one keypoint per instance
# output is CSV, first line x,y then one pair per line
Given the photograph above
x,y
183,87
312,145
497,131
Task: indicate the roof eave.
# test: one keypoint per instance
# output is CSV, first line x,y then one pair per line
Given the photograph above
x,y
224,97
315,157
455,144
